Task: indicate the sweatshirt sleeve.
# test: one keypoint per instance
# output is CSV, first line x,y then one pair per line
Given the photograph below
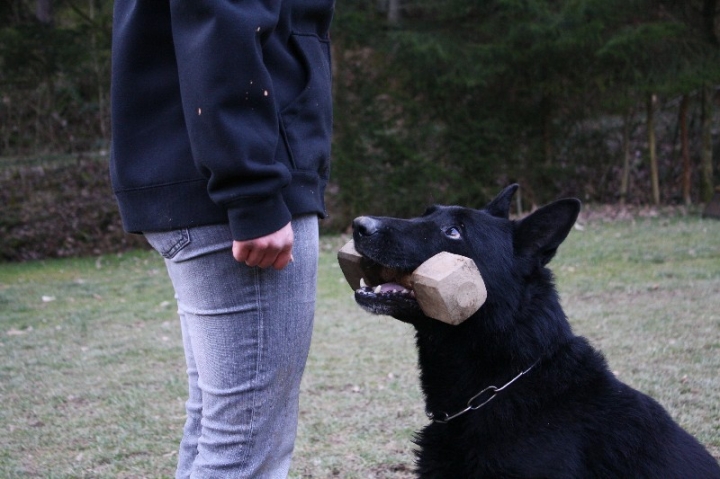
x,y
230,108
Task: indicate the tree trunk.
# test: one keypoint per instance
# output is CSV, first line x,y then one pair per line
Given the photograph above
x,y
652,148
546,116
710,8
393,12
97,67
706,157
625,178
685,149
43,11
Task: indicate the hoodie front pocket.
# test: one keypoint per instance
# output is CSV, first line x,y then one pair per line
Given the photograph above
x,y
307,121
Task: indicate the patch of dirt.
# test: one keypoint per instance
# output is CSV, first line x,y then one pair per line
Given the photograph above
x,y
392,471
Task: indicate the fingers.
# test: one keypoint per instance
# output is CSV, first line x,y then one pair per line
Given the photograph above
x,y
267,257
283,259
273,250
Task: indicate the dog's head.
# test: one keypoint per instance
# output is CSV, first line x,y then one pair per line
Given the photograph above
x,y
509,254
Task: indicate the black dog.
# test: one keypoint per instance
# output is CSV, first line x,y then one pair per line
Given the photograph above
x,y
512,392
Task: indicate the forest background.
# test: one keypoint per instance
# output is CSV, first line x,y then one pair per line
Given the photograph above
x,y
612,101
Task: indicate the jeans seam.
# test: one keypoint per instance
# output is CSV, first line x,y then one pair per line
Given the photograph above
x,y
258,364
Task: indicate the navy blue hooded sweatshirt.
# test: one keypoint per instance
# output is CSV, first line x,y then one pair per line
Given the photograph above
x,y
221,113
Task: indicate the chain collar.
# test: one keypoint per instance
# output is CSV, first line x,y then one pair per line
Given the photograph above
x,y
444,418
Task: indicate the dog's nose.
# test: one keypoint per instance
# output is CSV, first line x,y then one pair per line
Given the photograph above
x,y
365,225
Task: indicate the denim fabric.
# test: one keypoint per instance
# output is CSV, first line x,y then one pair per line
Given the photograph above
x,y
246,333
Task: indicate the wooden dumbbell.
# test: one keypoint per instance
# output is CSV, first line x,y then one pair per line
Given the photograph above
x,y
448,287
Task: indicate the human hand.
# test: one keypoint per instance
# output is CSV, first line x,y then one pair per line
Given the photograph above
x,y
273,250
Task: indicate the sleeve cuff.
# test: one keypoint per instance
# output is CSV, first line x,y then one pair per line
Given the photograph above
x,y
257,217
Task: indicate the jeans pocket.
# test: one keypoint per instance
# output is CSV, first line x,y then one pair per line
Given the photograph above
x,y
168,243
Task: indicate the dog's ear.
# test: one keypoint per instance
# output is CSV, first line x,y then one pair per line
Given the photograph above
x,y
500,205
540,233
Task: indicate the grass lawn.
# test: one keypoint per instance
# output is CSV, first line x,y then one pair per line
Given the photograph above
x,y
91,368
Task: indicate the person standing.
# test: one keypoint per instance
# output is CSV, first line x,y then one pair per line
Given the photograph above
x,y
221,131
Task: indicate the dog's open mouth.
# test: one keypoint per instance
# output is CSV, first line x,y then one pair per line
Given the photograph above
x,y
380,288
385,290
383,281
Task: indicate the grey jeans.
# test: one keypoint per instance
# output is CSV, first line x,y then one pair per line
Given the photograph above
x,y
246,333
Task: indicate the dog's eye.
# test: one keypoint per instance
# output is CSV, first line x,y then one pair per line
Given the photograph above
x,y
452,232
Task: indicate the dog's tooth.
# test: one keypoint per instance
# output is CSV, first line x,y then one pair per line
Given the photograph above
x,y
363,284
378,289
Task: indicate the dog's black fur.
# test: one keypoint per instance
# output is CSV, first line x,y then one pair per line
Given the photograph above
x,y
568,416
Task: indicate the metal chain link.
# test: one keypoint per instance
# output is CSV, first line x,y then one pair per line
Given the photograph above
x,y
470,407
